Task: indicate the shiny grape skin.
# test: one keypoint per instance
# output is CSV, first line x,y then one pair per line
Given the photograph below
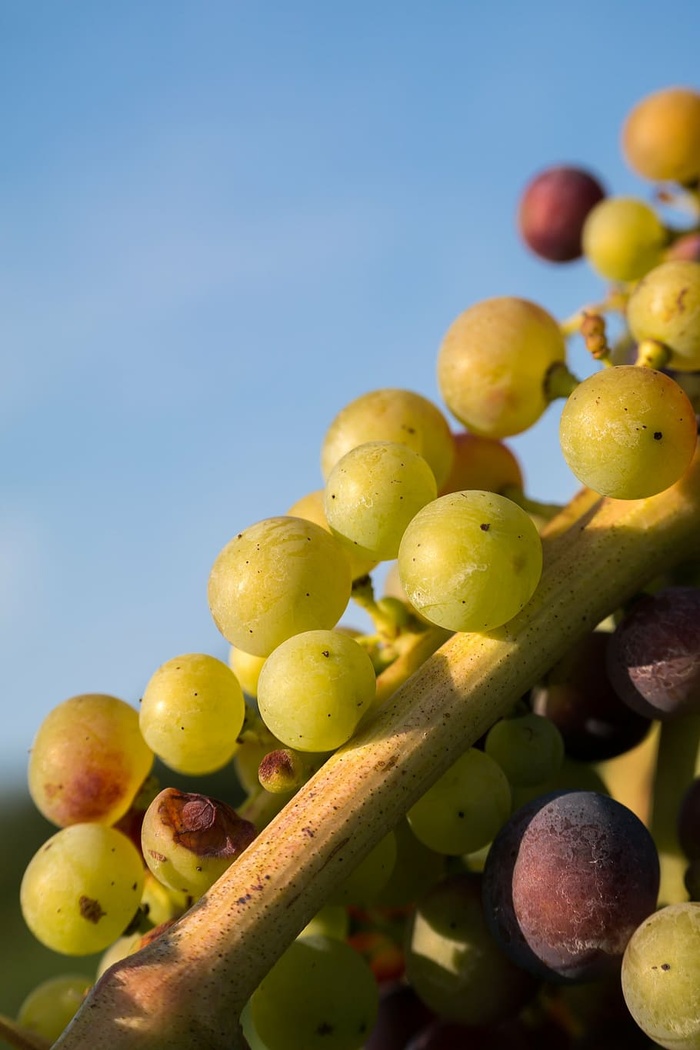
x,y
553,208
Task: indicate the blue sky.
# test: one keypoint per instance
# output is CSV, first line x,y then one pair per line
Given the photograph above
x,y
219,222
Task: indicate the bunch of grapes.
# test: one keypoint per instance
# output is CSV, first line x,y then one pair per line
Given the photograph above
x,y
427,841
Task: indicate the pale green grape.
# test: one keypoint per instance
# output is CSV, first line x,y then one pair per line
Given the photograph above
x,y
623,238
82,888
331,921
493,363
373,492
628,432
665,306
49,1008
469,561
275,579
312,508
246,668
320,995
661,976
314,688
391,415
192,711
529,748
120,949
88,760
364,884
465,808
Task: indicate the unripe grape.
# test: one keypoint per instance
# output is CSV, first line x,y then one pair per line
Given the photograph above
x,y
553,208
528,748
49,1008
665,306
661,136
623,238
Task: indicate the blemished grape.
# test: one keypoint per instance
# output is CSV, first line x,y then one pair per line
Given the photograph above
x,y
88,760
665,306
275,579
49,1008
553,208
661,135
320,995
391,415
628,432
464,808
567,881
372,493
82,888
482,463
312,508
453,962
653,657
661,976
469,561
623,238
528,748
689,821
315,688
192,711
493,363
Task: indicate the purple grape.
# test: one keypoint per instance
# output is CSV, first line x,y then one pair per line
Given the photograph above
x,y
401,1015
552,211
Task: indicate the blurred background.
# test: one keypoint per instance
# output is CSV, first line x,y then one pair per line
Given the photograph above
x,y
219,222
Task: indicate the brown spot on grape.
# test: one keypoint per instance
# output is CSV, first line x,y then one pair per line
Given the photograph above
x,y
485,527
90,909
657,435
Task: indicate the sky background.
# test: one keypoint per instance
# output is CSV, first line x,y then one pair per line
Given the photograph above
x,y
221,221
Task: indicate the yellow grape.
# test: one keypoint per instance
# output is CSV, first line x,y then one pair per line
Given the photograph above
x,y
661,135
312,508
665,306
623,238
246,668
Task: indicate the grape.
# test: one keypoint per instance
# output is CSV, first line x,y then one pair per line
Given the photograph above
x,y
319,994
623,238
567,881
686,246
372,493
401,1015
453,962
464,808
493,363
661,136
665,306
279,577
314,688
192,711
362,886
331,921
416,868
628,432
189,840
482,463
654,654
246,668
528,748
82,888
469,561
689,821
552,210
88,761
661,976
49,1008
311,507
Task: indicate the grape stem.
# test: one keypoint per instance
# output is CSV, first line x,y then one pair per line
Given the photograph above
x,y
185,990
21,1038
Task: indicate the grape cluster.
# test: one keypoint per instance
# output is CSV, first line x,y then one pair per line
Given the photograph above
x,y
526,897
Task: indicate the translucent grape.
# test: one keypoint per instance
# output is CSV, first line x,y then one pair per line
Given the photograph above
x,y
82,888
279,577
661,976
49,1008
552,210
372,493
493,363
312,508
88,760
469,561
661,135
192,711
465,808
665,306
528,748
391,415
628,432
623,238
314,688
482,463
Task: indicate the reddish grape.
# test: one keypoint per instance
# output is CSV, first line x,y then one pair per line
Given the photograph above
x,y
553,208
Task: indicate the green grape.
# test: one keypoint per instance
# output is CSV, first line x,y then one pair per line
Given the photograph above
x,y
416,868
192,712
88,761
320,995
665,306
246,668
391,415
122,947
661,976
373,492
312,508
49,1008
469,561
623,238
493,363
331,921
661,135
82,888
161,904
465,808
363,885
314,688
628,432
275,579
529,748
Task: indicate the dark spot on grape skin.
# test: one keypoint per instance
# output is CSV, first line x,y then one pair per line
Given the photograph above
x,y
90,909
657,435
485,527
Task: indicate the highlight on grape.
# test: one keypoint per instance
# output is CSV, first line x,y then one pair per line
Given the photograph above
x,y
431,842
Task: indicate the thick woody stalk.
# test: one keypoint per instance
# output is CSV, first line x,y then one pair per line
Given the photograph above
x,y
185,991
